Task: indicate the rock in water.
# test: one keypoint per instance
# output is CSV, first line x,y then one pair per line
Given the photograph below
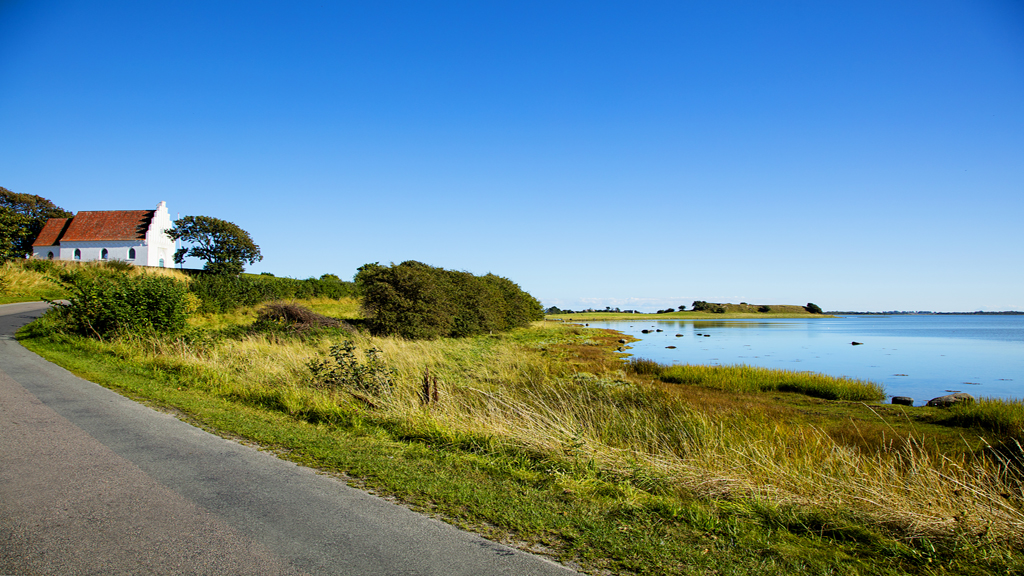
x,y
903,400
950,399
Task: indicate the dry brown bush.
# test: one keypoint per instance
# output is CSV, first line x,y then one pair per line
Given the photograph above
x,y
298,317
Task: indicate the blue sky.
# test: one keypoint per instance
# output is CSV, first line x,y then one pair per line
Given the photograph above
x,y
859,155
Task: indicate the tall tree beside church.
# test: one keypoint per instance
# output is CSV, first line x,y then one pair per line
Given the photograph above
x,y
22,216
224,246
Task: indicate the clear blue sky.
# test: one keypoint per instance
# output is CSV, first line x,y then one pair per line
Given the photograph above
x,y
860,155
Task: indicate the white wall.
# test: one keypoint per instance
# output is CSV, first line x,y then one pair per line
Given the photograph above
x,y
116,250
160,246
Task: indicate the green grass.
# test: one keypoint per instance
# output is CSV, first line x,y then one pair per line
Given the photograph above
x,y
754,379
542,437
1002,416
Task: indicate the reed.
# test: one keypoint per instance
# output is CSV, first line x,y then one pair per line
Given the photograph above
x,y
1002,416
744,378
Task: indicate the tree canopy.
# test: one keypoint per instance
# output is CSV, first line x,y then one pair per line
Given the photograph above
x,y
22,217
223,245
414,300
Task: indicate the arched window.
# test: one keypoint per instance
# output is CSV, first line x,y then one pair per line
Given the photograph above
x,y
104,254
131,253
161,262
78,254
49,256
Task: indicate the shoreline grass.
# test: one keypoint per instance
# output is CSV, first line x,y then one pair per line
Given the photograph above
x,y
743,378
545,437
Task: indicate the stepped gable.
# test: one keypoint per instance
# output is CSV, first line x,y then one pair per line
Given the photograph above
x,y
52,232
103,225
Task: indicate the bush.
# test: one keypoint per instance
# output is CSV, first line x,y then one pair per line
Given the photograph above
x,y
119,265
223,293
644,367
104,303
813,308
295,316
764,308
344,370
414,300
40,266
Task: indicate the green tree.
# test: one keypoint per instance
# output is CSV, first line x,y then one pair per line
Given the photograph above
x,y
224,246
414,300
22,217
813,308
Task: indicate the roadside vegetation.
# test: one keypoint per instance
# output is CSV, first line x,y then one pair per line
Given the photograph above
x,y
544,437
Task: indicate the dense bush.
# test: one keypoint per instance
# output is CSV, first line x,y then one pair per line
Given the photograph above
x,y
414,300
103,302
40,266
222,293
813,308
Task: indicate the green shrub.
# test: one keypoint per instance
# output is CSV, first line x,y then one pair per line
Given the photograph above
x,y
344,370
119,265
40,266
766,308
417,301
103,303
223,293
813,308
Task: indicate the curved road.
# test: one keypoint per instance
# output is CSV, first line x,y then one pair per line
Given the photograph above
x,y
94,483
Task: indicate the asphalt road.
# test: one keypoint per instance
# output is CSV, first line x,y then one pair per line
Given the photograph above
x,y
94,483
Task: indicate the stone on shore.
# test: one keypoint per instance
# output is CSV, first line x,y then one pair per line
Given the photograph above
x,y
950,399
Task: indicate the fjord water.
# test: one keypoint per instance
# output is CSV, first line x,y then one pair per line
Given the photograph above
x,y
921,356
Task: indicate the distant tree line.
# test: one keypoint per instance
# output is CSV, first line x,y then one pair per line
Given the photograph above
x,y
702,306
417,301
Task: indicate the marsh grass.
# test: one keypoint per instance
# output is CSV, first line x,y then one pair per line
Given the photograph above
x,y
755,379
638,462
1002,416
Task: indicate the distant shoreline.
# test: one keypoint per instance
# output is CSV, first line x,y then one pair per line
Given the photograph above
x,y
926,313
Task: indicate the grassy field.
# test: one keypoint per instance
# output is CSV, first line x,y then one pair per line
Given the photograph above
x,y
546,439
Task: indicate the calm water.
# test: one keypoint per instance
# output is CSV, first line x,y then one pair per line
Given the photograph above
x,y
917,356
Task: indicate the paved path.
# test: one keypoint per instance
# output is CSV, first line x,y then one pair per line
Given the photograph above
x,y
94,483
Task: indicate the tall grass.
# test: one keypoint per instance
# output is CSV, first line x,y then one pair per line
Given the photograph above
x,y
754,379
1003,416
517,394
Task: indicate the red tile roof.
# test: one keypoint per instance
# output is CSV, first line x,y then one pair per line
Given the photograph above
x,y
108,225
51,232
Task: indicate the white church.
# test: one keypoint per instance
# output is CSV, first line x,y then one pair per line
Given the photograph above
x,y
136,236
